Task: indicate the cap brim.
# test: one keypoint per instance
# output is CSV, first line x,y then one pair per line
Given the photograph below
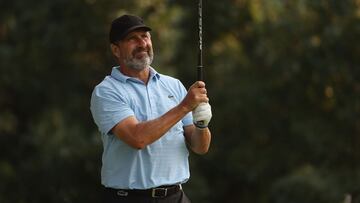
x,y
138,27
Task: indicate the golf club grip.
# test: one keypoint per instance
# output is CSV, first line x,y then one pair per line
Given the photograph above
x,y
200,73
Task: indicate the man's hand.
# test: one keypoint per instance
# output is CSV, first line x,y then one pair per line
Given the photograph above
x,y
196,94
202,115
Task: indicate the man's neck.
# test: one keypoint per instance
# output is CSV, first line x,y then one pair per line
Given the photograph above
x,y
142,75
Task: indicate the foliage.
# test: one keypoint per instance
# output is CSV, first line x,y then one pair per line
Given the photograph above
x,y
282,76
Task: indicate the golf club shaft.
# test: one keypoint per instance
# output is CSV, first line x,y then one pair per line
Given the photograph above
x,y
200,68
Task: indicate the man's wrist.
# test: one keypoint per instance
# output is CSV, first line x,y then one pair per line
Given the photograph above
x,y
200,126
184,107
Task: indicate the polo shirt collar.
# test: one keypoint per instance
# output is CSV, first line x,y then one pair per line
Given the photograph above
x,y
123,78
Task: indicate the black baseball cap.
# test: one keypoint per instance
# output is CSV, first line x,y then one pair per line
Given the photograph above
x,y
123,25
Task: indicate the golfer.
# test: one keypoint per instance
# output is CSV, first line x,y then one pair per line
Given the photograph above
x,y
148,122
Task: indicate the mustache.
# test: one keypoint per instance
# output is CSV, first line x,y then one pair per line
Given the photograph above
x,y
140,49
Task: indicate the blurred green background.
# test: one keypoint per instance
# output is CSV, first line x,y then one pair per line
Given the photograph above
x,y
283,79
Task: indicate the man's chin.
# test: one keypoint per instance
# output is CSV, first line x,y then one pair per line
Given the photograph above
x,y
138,66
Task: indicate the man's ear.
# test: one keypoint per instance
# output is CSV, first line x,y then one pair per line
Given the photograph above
x,y
115,50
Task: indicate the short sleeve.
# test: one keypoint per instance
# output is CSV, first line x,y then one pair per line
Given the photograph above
x,y
108,108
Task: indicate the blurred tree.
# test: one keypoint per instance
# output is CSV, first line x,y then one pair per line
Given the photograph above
x,y
283,78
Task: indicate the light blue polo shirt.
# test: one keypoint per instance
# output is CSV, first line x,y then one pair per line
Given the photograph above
x,y
163,162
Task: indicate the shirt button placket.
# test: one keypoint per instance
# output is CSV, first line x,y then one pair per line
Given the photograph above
x,y
151,101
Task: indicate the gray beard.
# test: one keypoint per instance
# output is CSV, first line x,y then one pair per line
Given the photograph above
x,y
139,64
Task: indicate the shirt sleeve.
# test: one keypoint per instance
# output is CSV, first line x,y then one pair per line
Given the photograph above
x,y
108,108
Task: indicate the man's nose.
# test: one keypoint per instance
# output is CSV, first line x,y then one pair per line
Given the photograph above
x,y
141,42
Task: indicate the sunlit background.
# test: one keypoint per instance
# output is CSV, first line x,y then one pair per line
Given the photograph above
x,y
283,77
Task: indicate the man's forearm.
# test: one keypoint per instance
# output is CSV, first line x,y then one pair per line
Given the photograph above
x,y
199,141
145,133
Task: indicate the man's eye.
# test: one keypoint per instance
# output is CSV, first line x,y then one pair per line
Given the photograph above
x,y
131,39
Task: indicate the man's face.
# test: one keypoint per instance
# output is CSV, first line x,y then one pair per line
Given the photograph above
x,y
136,50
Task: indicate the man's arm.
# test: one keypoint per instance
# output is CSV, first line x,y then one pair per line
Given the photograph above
x,y
140,134
198,140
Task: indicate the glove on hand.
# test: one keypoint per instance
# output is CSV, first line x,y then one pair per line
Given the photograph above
x,y
202,115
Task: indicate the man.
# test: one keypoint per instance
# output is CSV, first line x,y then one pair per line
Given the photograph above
x,y
147,120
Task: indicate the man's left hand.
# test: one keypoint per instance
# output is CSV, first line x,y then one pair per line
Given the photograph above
x,y
202,115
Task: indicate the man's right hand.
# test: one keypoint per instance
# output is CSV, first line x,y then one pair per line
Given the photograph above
x,y
196,94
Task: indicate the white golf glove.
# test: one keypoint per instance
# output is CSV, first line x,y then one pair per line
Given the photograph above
x,y
202,115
